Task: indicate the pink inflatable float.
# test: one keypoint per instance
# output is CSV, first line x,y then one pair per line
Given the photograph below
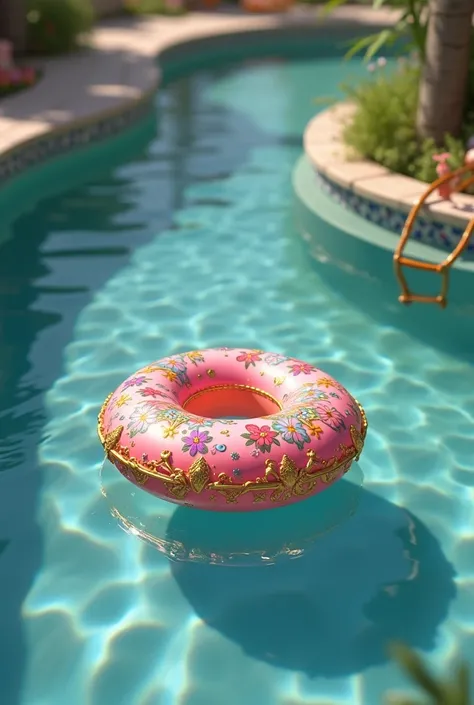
x,y
232,430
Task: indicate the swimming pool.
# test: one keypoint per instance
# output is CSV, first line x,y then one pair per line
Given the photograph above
x,y
189,241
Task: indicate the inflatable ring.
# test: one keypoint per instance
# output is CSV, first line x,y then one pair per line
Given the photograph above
x,y
232,430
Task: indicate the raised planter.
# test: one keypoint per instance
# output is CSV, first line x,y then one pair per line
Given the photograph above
x,y
378,195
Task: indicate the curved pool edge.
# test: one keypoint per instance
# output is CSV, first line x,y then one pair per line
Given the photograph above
x,y
379,195
95,93
348,240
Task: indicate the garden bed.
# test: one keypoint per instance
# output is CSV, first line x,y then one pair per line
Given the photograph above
x,y
376,193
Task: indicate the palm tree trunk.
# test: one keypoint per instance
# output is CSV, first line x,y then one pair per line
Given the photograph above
x,y
443,87
13,23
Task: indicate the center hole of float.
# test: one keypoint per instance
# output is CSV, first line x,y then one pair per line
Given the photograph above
x,y
232,402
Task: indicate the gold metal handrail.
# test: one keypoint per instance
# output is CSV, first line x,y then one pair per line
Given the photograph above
x,y
407,296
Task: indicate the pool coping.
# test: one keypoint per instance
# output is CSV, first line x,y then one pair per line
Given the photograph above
x,y
102,89
366,180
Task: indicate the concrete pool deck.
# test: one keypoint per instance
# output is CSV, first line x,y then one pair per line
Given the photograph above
x,y
324,147
104,88
119,68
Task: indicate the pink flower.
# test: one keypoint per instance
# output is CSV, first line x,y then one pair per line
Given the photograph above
x,y
28,75
261,437
442,157
250,358
300,367
151,392
330,416
15,76
135,381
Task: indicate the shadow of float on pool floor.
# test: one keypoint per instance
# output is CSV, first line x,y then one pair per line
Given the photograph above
x,y
378,577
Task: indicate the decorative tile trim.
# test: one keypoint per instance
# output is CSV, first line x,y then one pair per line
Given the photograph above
x,y
73,136
428,232
376,194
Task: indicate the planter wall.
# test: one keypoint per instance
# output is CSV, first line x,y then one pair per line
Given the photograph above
x,y
378,195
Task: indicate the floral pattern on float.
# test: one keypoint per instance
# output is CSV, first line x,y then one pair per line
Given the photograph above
x,y
313,415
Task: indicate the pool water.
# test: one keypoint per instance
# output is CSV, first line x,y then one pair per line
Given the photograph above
x,y
189,242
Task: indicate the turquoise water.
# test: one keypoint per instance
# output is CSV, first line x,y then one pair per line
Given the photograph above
x,y
190,242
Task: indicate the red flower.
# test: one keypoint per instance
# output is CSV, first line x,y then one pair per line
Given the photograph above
x,y
250,358
150,392
262,437
300,367
28,75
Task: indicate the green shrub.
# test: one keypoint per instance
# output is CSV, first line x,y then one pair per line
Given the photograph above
x,y
383,127
54,26
155,7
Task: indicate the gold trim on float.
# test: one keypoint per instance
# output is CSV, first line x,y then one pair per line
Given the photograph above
x,y
278,483
238,387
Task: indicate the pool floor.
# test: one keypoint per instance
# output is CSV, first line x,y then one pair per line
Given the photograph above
x,y
190,242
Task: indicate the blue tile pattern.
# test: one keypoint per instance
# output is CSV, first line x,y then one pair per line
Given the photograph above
x,y
56,143
436,234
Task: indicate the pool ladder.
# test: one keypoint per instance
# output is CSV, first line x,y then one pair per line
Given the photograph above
x,y
399,260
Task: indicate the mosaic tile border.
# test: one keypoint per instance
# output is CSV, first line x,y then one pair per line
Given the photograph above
x,y
74,136
429,232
